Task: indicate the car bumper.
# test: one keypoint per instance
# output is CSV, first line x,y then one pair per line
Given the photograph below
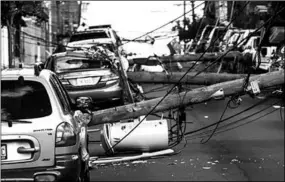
x,y
67,168
110,93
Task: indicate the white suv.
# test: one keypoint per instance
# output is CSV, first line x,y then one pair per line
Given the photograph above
x,y
41,140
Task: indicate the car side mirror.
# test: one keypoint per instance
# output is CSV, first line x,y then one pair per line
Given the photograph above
x,y
83,103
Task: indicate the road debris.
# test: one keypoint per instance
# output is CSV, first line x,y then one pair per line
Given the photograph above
x,y
234,160
173,163
129,158
276,106
137,162
206,167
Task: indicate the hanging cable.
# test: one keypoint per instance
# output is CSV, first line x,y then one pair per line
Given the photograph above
x,y
217,125
240,124
204,53
166,93
223,120
164,24
231,123
252,33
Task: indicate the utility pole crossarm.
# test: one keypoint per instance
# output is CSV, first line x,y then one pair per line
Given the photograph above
x,y
194,96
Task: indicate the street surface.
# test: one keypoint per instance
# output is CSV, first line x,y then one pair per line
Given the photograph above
x,y
252,152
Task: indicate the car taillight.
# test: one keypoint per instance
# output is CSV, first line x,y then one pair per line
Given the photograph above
x,y
65,82
65,135
109,78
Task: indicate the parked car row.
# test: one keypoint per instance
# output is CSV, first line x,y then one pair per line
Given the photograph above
x,y
97,77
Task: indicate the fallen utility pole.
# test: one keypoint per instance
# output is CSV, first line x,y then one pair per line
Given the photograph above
x,y
182,99
174,77
206,57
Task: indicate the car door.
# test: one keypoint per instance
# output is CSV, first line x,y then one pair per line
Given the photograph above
x,y
30,141
65,100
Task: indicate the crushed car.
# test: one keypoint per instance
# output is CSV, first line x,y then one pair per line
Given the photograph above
x,y
87,75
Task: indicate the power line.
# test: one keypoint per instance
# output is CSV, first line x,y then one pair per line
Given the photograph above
x,y
164,95
252,33
234,122
230,117
196,63
165,24
246,83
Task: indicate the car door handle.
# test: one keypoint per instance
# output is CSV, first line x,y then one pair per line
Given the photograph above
x,y
27,150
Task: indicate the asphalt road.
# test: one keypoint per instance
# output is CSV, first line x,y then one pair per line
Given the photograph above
x,y
252,152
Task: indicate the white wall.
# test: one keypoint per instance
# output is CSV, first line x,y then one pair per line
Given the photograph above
x,y
33,52
4,48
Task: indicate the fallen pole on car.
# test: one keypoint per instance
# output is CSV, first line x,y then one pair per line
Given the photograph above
x,y
194,96
174,77
195,57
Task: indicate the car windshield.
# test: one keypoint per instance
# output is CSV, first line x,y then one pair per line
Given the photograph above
x,y
89,35
72,63
25,100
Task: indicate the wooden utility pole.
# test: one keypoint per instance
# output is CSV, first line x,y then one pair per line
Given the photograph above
x,y
79,14
190,78
232,12
58,20
205,57
194,96
11,38
123,75
184,12
193,12
10,45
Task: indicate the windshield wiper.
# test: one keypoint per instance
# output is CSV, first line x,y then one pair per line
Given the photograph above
x,y
10,122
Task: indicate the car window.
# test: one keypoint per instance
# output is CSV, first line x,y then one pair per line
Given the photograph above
x,y
25,100
60,96
72,63
63,91
89,35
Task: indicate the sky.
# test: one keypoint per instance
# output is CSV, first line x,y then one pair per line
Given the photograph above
x,y
133,18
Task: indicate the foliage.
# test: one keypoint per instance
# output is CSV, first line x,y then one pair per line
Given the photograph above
x,y
12,11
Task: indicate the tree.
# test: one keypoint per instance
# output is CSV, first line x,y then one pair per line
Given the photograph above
x,y
11,17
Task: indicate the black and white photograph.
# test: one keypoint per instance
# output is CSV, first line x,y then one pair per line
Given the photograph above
x,y
142,90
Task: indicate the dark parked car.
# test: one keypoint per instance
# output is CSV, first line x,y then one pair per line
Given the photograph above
x,y
84,76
